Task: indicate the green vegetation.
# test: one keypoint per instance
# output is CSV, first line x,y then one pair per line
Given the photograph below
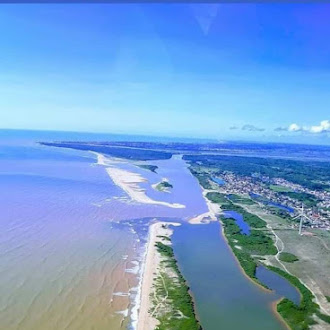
x,y
249,249
279,188
288,257
219,198
299,317
251,219
174,290
308,173
165,238
328,298
151,168
203,179
255,242
323,317
240,199
227,205
111,150
163,186
284,214
258,242
307,199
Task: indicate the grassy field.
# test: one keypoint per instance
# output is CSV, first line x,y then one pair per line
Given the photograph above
x,y
312,250
288,257
240,199
279,188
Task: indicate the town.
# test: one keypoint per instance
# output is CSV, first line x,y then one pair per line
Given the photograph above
x,y
277,195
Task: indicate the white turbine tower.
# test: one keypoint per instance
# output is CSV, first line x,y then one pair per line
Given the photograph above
x,y
302,216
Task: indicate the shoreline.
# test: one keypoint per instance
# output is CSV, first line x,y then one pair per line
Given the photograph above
x,y
145,321
239,264
129,182
213,210
277,314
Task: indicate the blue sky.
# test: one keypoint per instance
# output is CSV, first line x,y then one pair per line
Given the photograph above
x,y
229,71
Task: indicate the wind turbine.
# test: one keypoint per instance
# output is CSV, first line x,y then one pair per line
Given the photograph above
x,y
302,216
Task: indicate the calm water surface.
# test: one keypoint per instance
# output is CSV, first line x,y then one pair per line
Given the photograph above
x,y
245,228
225,298
71,244
278,283
218,181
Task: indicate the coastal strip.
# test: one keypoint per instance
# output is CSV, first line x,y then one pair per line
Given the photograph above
x,y
165,299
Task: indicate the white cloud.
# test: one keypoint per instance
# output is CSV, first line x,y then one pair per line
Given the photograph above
x,y
323,127
294,128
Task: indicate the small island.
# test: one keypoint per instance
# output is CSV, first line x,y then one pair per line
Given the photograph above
x,y
151,168
163,186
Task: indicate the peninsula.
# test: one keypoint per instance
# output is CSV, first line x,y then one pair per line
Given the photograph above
x,y
166,302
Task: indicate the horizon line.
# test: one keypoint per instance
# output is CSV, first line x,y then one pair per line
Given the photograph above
x,y
172,137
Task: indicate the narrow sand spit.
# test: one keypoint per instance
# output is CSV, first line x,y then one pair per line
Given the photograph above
x,y
211,214
152,261
105,161
129,182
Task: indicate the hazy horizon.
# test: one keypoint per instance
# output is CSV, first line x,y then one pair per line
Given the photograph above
x,y
102,136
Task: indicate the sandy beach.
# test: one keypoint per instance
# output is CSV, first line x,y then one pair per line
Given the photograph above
x,y
129,182
152,261
105,161
211,214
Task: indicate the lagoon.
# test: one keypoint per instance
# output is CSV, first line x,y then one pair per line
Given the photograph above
x,y
219,181
245,228
225,298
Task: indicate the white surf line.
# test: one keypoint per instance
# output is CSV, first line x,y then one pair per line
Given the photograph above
x,y
284,267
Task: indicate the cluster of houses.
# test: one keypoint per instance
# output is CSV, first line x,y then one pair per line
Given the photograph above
x,y
260,187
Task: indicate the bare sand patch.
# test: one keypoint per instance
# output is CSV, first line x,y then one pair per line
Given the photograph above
x,y
211,214
129,182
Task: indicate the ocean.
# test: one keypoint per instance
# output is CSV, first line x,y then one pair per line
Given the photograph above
x,y
72,242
